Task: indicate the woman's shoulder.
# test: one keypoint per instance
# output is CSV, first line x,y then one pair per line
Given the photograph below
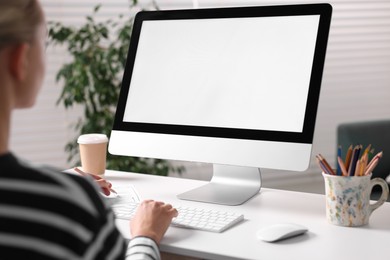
x,y
68,206
53,182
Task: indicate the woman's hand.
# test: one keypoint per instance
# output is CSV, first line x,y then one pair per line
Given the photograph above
x,y
103,183
152,219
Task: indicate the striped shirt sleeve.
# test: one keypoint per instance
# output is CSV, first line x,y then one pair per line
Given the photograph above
x,y
142,248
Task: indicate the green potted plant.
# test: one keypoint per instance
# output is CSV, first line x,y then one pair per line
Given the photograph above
x,y
93,79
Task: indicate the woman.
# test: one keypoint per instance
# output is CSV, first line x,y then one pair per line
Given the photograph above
x,y
46,214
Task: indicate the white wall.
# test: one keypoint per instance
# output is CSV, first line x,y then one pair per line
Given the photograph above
x,y
355,85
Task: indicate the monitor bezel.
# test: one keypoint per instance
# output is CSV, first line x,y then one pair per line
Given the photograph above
x,y
306,136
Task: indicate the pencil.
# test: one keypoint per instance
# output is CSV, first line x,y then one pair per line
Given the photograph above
x,y
326,164
339,156
367,150
357,169
364,159
355,156
342,166
348,157
363,164
372,166
376,157
322,166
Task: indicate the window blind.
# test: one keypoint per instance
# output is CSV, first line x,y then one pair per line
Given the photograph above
x,y
355,84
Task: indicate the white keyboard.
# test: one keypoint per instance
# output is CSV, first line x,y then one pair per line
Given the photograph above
x,y
189,217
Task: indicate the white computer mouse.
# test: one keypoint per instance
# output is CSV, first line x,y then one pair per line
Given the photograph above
x,y
281,231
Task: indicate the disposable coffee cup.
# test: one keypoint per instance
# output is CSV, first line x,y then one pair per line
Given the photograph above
x,y
93,152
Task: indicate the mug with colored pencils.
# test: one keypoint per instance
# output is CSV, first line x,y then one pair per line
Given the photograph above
x,y
348,188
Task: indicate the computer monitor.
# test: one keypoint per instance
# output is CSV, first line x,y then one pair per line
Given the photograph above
x,y
236,87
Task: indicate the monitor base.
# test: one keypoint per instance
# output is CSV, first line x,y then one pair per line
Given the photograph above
x,y
230,185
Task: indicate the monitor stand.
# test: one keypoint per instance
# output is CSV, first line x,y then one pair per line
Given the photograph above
x,y
230,185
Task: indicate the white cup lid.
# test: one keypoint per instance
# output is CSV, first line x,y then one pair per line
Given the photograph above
x,y
92,139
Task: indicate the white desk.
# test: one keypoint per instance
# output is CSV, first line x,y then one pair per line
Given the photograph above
x,y
323,241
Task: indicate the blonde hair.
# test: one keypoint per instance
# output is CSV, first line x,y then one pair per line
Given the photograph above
x,y
19,20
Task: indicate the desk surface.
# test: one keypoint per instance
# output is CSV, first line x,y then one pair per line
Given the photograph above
x,y
322,241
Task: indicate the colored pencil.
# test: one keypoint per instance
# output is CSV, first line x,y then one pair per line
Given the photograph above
x,y
364,161
352,164
373,160
339,156
326,164
348,157
356,166
342,166
367,150
372,166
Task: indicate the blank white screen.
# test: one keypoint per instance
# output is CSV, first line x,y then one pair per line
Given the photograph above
x,y
246,73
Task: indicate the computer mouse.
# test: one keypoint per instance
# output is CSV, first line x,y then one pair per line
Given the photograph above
x,y
277,232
